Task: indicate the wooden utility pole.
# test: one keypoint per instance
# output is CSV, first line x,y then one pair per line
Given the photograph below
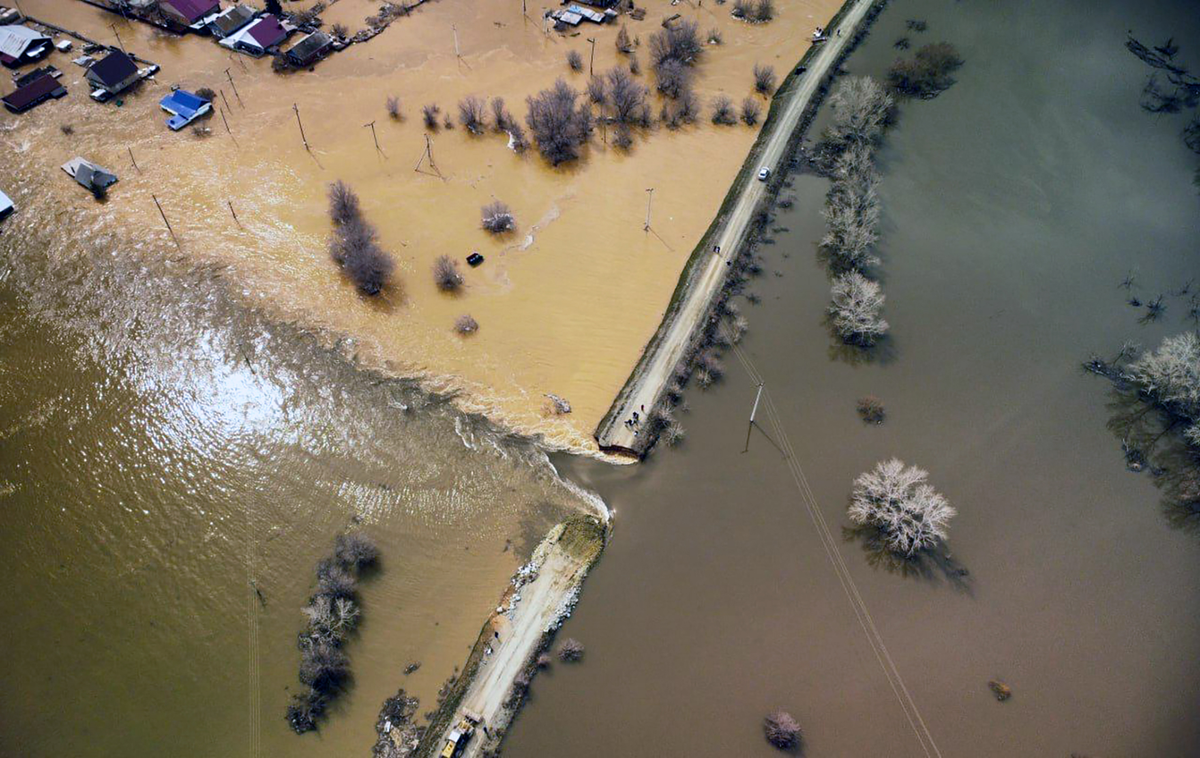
x,y
135,165
304,139
592,60
227,106
373,135
235,92
649,199
165,221
457,52
225,121
235,218
118,36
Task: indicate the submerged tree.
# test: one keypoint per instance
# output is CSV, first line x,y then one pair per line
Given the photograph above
x,y
751,111
764,79
861,110
571,650
445,274
1170,378
498,217
722,111
429,114
355,243
856,307
559,127
472,113
928,73
910,515
781,730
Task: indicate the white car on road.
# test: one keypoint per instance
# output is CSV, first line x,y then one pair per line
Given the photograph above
x,y
764,173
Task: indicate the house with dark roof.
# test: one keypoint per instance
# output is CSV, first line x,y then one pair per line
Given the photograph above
x,y
309,49
115,72
34,93
20,45
258,37
188,12
231,20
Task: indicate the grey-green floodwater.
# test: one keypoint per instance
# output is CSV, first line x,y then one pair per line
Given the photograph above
x,y
1015,204
163,453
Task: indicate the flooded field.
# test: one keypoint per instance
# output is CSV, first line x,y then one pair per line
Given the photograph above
x,y
1015,205
171,469
565,304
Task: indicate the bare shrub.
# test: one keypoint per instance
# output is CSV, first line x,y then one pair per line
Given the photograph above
x,y
343,203
543,661
502,120
429,115
596,90
207,93
751,111
517,137
910,515
764,79
574,60
672,77
714,36
781,730
559,127
355,551
464,324
673,433
764,11
624,44
393,107
200,130
680,42
356,250
710,363
447,122
622,137
445,274
472,114
871,409
339,30
498,217
66,129
743,9
856,307
722,111
571,650
635,67
927,74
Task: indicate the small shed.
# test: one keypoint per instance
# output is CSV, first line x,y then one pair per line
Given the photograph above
x,y
114,73
184,107
20,45
38,91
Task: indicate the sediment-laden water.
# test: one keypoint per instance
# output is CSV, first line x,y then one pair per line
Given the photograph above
x,y
166,456
1015,205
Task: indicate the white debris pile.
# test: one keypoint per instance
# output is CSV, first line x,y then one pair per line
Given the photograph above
x,y
564,610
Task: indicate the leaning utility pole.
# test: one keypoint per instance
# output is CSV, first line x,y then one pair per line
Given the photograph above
x,y
457,52
753,411
135,165
235,92
303,139
649,199
165,221
118,36
373,136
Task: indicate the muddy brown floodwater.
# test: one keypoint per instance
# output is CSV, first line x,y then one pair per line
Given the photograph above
x,y
1015,204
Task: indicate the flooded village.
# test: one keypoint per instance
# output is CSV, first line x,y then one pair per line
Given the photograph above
x,y
446,379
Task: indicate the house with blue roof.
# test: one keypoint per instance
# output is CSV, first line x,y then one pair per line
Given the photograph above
x,y
184,107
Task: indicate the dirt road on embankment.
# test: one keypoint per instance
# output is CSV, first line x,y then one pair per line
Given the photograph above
x,y
671,343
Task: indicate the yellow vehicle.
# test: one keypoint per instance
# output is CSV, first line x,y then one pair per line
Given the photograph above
x,y
460,735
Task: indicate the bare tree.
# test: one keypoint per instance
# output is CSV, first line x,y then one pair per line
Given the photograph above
x,y
857,303
764,79
445,274
781,730
673,77
862,108
1170,378
852,211
622,137
571,650
393,107
502,120
624,44
498,217
464,324
355,248
910,515
764,11
751,111
355,551
343,203
574,60
472,113
680,42
429,114
559,127
627,97
722,111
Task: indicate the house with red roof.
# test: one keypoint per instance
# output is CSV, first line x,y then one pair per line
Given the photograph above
x,y
189,12
258,37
